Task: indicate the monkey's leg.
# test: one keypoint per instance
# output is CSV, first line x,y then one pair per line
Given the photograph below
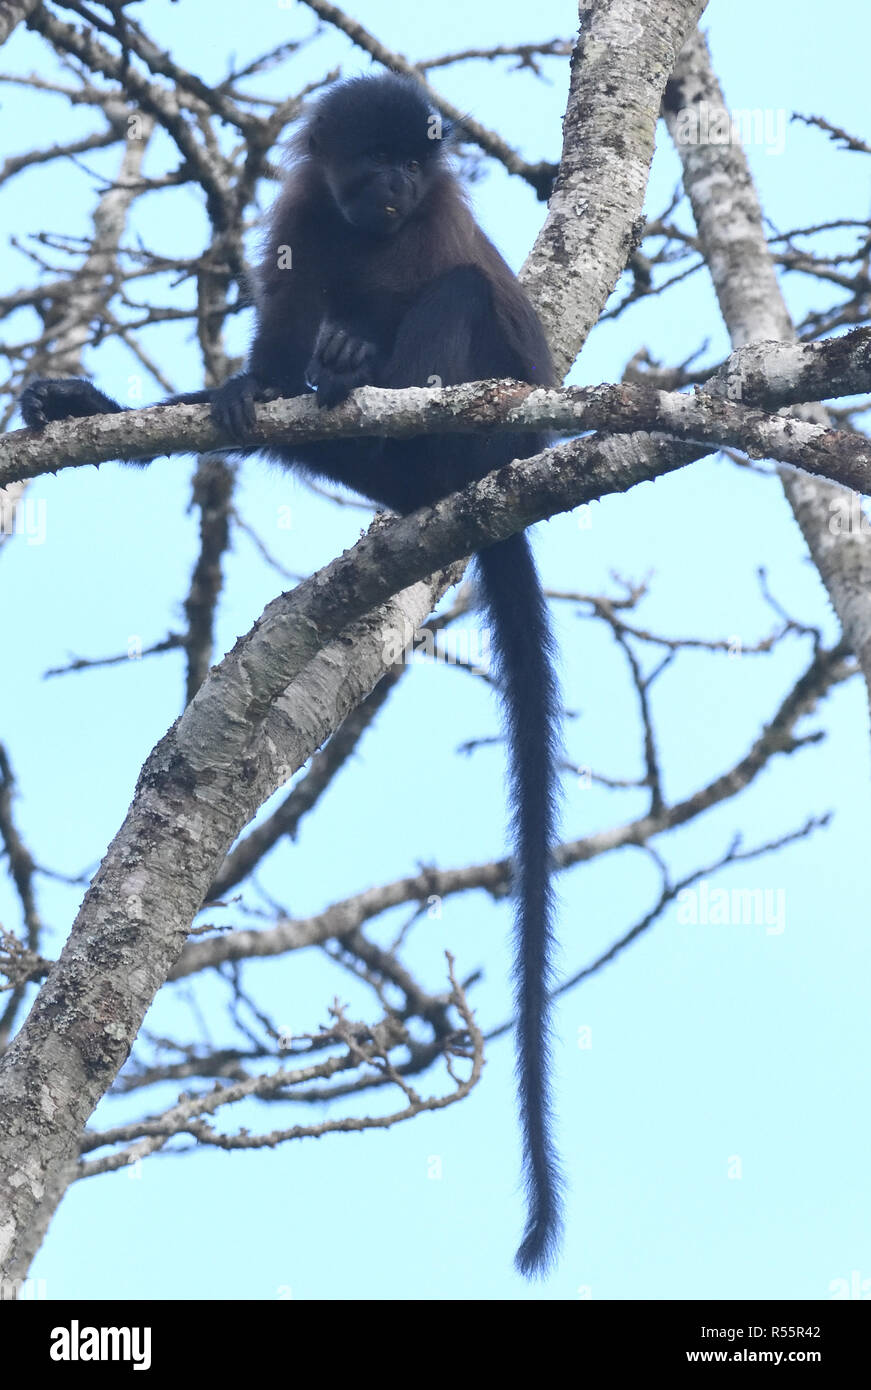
x,y
63,399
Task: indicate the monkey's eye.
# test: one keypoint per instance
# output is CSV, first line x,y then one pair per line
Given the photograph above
x,y
380,157
413,166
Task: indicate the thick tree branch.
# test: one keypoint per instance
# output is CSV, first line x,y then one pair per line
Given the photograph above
x,y
625,53
731,233
182,822
789,374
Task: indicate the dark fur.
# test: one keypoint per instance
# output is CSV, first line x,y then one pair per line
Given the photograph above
x,y
393,283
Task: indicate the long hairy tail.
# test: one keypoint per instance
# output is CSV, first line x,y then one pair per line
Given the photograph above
x,y
523,643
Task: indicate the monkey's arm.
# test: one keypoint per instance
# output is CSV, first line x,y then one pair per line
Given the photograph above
x,y
339,362
302,342
440,336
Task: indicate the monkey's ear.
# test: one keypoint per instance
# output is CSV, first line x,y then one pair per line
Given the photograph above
x,y
315,137
442,130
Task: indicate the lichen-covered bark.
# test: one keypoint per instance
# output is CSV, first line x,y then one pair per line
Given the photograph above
x,y
246,730
625,53
762,374
731,232
234,745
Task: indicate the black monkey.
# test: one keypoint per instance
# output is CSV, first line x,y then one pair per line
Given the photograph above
x,y
375,272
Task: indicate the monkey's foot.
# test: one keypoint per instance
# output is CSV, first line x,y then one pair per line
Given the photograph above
x,y
62,399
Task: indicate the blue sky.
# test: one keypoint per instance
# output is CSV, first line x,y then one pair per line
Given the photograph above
x,y
716,1133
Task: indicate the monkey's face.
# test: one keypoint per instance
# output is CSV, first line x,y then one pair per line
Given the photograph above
x,y
378,190
379,146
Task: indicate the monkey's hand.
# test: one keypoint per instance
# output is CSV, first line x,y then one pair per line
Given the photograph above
x,y
233,405
340,362
64,399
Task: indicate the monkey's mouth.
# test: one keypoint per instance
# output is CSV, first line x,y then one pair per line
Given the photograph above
x,y
391,211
